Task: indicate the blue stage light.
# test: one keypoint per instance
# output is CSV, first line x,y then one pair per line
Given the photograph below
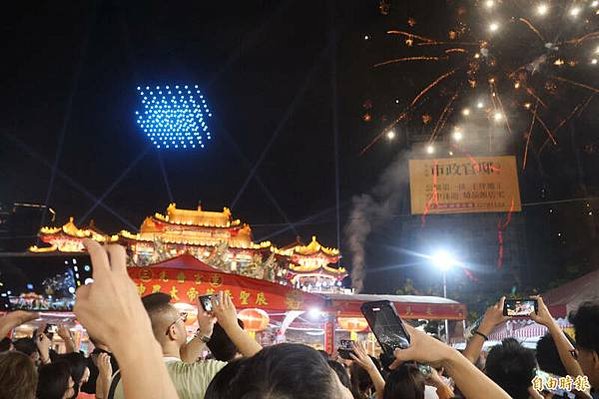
x,y
171,122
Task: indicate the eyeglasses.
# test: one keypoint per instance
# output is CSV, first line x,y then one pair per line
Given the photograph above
x,y
182,317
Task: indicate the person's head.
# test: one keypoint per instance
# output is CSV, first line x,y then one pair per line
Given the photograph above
x,y
341,373
512,367
405,382
168,324
220,345
586,326
283,371
548,356
55,382
6,344
77,367
18,375
325,354
221,385
361,382
28,347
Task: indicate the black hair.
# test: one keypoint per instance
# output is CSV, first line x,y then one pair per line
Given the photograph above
x,y
325,354
53,380
512,367
18,376
77,365
5,344
360,381
221,385
25,345
586,324
283,371
220,345
156,301
341,373
405,382
548,356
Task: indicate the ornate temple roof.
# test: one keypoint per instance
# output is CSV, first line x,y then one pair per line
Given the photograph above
x,y
70,229
198,217
312,248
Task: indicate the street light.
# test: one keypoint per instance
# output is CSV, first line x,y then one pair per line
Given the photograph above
x,y
444,261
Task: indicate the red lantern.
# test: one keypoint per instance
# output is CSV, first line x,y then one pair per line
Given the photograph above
x,y
352,324
254,320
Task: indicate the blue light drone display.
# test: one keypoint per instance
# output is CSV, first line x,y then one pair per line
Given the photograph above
x,y
174,117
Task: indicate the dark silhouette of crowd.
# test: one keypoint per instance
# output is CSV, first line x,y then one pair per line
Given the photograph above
x,y
141,349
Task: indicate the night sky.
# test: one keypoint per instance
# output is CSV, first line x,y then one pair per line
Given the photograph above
x,y
265,67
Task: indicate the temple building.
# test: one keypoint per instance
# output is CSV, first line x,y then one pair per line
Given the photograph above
x,y
215,238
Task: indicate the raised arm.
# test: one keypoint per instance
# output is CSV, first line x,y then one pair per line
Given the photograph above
x,y
111,310
470,380
13,320
104,375
191,351
65,334
492,318
363,360
226,315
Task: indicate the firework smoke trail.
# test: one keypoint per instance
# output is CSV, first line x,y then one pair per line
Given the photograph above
x,y
369,211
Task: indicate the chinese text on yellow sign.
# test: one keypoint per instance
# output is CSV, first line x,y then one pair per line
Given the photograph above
x,y
464,185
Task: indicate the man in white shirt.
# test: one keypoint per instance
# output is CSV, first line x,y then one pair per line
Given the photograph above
x,y
168,326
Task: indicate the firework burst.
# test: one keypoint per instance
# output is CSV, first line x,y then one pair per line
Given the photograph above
x,y
524,68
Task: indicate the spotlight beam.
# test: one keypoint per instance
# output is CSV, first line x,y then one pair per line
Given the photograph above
x,y
115,183
299,95
165,177
68,179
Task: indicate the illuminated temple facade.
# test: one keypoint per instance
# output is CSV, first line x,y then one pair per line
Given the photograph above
x,y
216,239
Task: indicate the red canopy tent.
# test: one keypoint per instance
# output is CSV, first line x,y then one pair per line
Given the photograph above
x,y
567,297
185,278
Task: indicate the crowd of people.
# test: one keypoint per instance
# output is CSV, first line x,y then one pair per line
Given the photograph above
x,y
142,350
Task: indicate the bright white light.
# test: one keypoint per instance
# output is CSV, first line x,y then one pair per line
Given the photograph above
x,y
366,37
594,61
430,149
443,260
457,135
597,50
542,9
450,153
493,27
480,104
498,116
314,313
489,3
466,111
595,3
391,134
575,11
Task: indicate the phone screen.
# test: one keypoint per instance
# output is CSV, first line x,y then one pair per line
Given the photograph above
x,y
206,302
386,325
345,348
42,283
519,307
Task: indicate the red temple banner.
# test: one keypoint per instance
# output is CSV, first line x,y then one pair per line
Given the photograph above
x,y
185,280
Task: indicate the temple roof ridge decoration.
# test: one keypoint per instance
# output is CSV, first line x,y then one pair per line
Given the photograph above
x,y
213,237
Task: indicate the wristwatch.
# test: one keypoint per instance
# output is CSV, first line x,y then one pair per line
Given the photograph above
x,y
204,338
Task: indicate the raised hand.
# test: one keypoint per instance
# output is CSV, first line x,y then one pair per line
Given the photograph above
x,y
14,319
493,317
542,315
224,310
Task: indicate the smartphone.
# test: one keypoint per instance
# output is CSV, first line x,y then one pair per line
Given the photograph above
x,y
520,307
42,283
425,369
345,348
206,303
387,327
51,329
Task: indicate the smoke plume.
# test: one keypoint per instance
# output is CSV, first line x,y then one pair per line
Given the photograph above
x,y
369,211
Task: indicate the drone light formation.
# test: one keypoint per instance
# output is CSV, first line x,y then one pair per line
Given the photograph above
x,y
173,117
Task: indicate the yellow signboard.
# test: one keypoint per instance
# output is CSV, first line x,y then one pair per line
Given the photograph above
x,y
464,185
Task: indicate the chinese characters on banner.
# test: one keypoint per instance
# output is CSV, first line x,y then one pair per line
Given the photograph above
x,y
464,185
188,285
567,383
